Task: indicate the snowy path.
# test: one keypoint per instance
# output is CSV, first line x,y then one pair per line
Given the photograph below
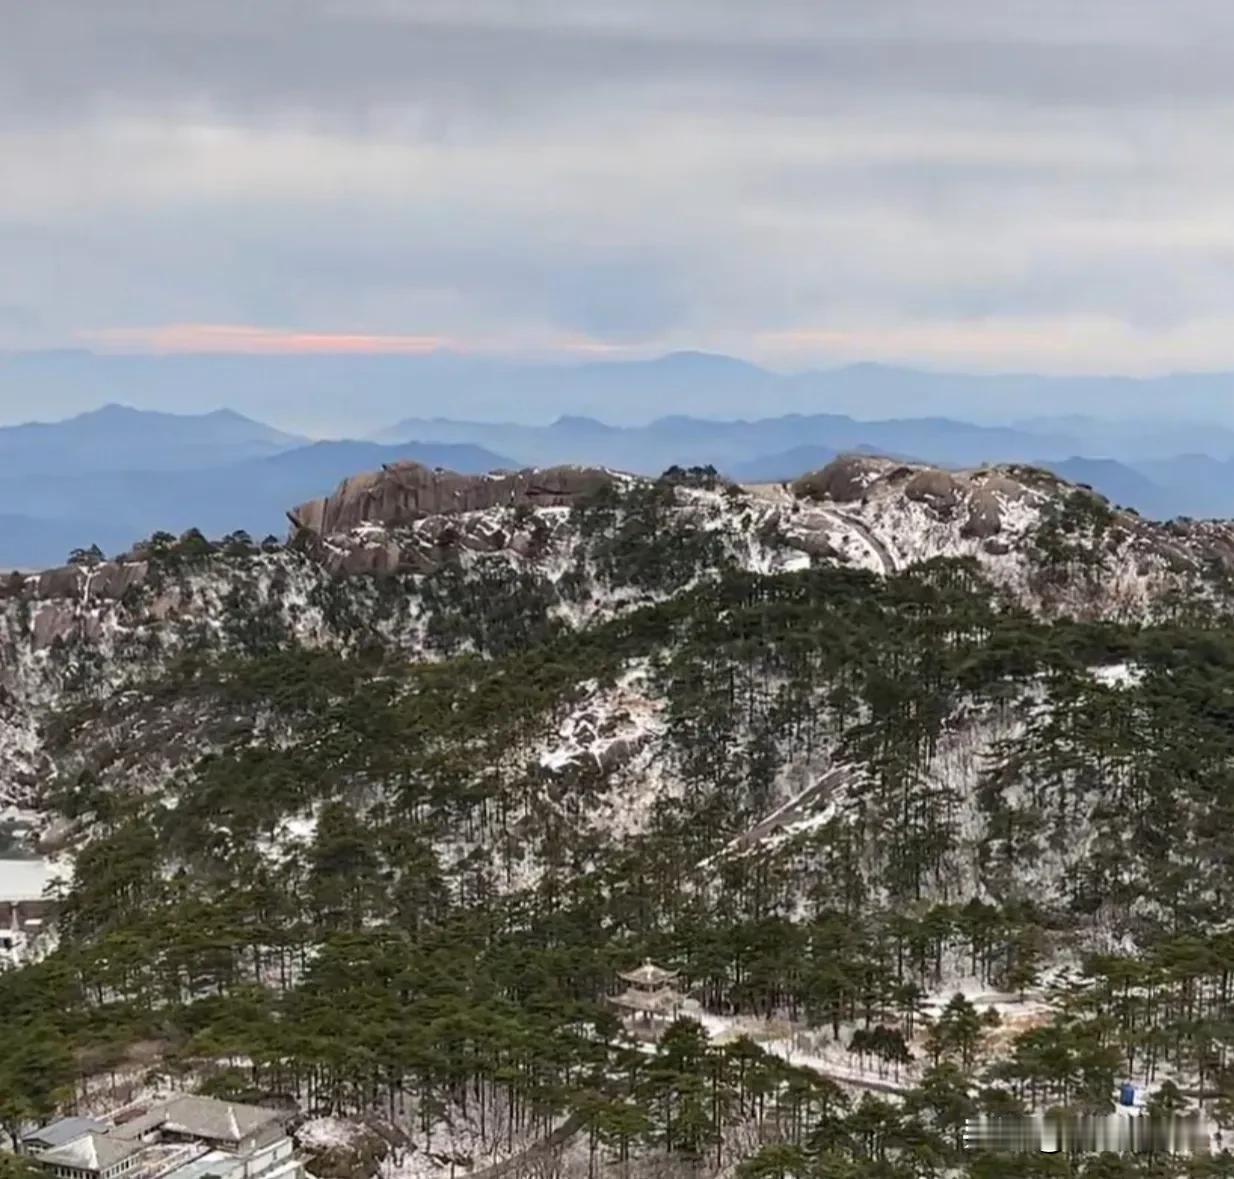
x,y
881,550
784,816
558,1137
791,811
721,1027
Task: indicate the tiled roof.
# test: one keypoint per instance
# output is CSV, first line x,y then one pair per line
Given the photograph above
x,y
64,1131
661,1002
649,975
202,1117
91,1152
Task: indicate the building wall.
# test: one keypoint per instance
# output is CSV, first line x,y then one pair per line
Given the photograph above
x,y
288,1168
21,921
122,1168
274,1132
262,1160
16,914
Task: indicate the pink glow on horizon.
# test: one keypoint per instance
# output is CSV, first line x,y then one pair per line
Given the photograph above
x,y
257,341
242,339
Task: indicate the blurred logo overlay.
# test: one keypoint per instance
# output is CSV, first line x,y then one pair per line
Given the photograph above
x,y
1063,1133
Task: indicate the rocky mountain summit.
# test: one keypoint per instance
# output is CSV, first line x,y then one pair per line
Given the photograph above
x,y
431,563
1055,546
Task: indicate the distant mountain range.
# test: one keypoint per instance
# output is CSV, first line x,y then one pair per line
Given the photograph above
x,y
215,472
118,438
332,396
728,445
117,474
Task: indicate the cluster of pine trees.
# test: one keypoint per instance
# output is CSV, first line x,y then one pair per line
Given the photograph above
x,y
444,934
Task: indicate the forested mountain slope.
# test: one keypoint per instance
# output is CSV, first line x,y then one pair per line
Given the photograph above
x,y
381,811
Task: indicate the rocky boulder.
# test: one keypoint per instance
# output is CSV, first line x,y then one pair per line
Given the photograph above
x,y
992,491
66,582
843,480
340,1149
112,581
934,488
403,493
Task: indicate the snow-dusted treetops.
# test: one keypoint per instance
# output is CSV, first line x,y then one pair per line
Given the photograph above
x,y
382,811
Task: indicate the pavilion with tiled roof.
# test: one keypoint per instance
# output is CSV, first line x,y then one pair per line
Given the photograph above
x,y
650,993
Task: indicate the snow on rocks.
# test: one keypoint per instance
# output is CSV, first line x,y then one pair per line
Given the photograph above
x,y
608,727
810,1048
1118,675
71,635
815,806
328,1133
292,833
19,758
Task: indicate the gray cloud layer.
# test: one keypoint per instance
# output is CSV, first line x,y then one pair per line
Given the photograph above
x,y
1037,184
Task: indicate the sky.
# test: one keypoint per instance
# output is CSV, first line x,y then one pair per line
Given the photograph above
x,y
1038,185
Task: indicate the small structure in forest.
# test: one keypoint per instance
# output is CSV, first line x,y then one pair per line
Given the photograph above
x,y
651,995
25,908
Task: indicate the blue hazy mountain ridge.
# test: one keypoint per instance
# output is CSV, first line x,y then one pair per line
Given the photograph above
x,y
1142,439
328,396
789,464
1197,485
119,438
55,507
783,466
1128,487
114,475
689,441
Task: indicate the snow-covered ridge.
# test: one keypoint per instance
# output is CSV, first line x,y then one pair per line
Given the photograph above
x,y
1021,526
78,632
1057,548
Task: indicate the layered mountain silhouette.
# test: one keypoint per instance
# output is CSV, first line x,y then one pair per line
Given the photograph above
x,y
728,445
358,394
119,438
116,474
67,493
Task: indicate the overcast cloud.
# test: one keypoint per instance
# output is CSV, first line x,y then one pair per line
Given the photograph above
x,y
1039,185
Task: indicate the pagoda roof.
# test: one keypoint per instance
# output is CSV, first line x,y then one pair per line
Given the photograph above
x,y
662,1002
649,975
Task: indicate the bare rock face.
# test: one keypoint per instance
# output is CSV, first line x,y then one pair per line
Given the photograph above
x,y
843,480
991,491
407,518
112,581
939,489
402,493
53,621
67,582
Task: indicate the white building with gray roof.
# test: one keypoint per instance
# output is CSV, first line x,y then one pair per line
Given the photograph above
x,y
188,1137
91,1156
